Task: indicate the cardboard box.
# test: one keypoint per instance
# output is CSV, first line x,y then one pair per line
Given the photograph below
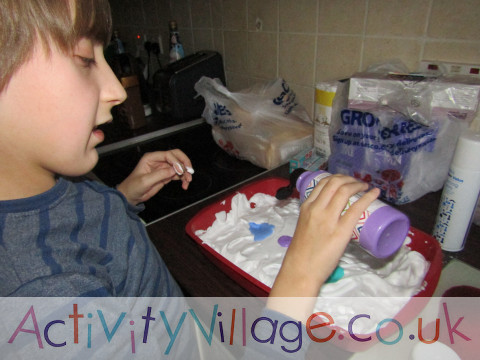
x,y
309,160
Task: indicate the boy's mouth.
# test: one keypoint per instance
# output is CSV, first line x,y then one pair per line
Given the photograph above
x,y
98,133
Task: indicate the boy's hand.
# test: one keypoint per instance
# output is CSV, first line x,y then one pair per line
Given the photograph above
x,y
320,239
153,172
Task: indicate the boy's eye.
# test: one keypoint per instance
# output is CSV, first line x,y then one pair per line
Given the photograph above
x,y
86,61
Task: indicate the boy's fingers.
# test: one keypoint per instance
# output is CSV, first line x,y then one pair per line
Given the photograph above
x,y
325,189
334,191
158,176
351,216
173,158
343,194
178,156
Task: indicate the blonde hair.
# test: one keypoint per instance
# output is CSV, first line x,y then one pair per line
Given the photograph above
x,y
58,22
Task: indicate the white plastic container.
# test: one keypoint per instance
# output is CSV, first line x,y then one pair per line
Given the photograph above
x,y
324,94
460,194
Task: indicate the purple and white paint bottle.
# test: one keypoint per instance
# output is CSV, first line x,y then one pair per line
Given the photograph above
x,y
381,229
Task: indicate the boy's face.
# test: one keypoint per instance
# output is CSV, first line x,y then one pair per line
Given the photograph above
x,y
52,106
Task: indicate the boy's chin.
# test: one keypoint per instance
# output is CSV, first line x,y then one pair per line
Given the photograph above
x,y
80,170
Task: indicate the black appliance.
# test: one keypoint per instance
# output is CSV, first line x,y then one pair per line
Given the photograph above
x,y
174,85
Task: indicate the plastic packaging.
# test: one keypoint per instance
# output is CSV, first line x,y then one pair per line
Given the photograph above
x,y
381,230
401,157
417,96
263,124
476,216
460,194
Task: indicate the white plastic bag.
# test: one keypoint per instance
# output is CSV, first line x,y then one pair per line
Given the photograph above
x,y
263,124
389,150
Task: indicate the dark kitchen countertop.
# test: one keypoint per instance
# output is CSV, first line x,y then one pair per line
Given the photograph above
x,y
119,135
215,170
199,277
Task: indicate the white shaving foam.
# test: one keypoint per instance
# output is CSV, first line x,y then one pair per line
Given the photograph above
x,y
398,278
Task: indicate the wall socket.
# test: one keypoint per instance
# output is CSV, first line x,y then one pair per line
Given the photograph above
x,y
427,66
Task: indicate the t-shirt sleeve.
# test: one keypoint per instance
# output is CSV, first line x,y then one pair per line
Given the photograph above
x,y
66,284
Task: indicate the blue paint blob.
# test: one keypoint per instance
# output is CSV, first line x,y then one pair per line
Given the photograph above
x,y
337,274
261,231
284,240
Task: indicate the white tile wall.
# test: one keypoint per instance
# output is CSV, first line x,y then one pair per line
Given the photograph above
x,y
306,41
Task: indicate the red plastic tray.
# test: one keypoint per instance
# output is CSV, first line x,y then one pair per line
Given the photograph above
x,y
421,242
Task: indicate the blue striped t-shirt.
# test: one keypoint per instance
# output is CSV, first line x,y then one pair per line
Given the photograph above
x,y
78,239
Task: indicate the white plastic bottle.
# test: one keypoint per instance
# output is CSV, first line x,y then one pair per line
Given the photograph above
x,y
381,229
176,47
460,194
324,94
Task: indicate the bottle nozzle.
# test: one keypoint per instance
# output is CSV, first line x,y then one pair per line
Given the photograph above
x,y
285,192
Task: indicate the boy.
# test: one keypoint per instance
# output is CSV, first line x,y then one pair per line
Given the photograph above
x,y
62,238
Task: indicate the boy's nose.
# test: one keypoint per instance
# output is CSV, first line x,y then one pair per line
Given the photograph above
x,y
113,92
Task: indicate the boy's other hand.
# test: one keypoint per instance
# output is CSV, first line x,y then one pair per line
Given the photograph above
x,y
321,236
152,173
